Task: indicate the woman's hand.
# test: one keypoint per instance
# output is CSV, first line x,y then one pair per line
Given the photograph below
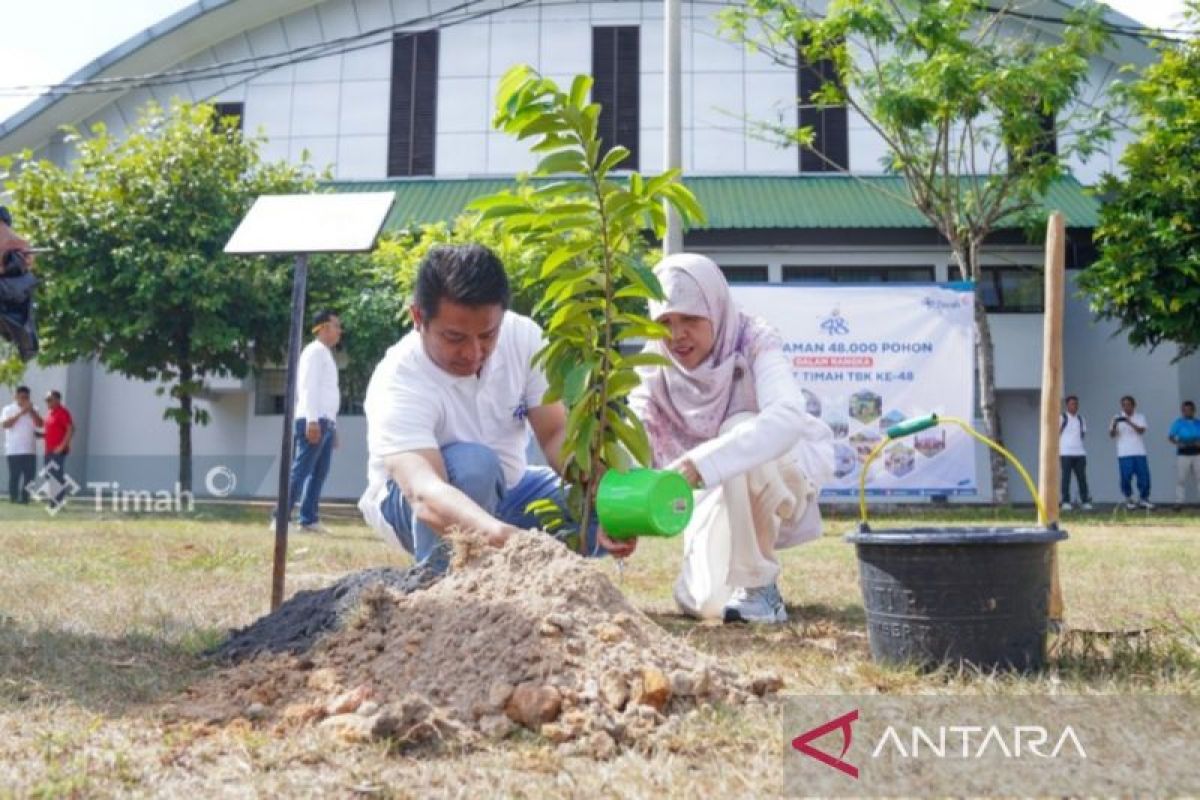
x,y
687,469
617,548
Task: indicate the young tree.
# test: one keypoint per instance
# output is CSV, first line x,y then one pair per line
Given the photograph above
x,y
136,278
968,99
1148,275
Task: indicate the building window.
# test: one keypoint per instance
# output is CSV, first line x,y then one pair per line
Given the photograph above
x,y
851,274
413,118
1013,290
270,389
616,75
831,140
236,110
745,274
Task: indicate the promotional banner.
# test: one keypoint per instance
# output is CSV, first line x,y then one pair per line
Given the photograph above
x,y
869,357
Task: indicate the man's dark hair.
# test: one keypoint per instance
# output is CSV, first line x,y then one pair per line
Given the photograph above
x,y
1071,397
468,274
1128,397
56,394
22,390
1189,404
323,316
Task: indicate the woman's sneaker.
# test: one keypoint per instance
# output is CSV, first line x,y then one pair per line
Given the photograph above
x,y
758,604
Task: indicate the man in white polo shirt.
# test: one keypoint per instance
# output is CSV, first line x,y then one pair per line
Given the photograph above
x,y
20,421
448,413
1129,429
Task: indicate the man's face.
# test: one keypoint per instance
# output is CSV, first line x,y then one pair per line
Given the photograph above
x,y
51,401
460,338
23,399
1073,406
331,332
1128,405
1189,410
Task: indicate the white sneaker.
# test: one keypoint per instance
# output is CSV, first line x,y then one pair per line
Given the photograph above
x,y
316,527
271,526
1146,504
757,604
1086,506
1066,506
1130,505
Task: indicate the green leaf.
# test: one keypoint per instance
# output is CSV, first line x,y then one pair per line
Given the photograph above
x,y
563,161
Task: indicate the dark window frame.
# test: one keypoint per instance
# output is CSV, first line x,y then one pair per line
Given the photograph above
x,y
412,114
831,124
854,273
270,391
993,289
616,76
230,108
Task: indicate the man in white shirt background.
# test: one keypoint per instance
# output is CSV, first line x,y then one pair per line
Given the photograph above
x,y
1129,429
20,421
1072,430
317,400
448,413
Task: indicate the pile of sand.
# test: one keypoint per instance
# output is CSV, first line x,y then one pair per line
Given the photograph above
x,y
528,635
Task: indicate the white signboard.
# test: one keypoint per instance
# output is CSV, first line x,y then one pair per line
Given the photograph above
x,y
870,357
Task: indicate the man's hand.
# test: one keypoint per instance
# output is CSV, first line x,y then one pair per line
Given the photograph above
x,y
500,533
312,432
617,548
9,242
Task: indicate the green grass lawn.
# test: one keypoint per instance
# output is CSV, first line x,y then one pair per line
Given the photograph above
x,y
102,619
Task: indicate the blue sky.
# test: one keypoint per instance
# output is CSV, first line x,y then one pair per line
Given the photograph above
x,y
47,40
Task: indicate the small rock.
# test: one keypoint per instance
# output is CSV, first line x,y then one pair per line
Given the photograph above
x,y
533,705
324,680
622,619
348,702
614,691
600,746
549,630
564,622
255,711
683,683
766,683
302,713
374,641
609,633
368,709
496,726
499,693
350,727
557,732
590,690
656,689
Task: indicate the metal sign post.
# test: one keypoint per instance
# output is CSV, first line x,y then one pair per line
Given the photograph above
x,y
303,224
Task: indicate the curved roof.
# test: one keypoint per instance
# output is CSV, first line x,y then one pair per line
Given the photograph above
x,y
162,45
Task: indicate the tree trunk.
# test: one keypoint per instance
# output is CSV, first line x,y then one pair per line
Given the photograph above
x,y
985,358
185,429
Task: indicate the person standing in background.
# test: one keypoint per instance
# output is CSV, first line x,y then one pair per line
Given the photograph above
x,y
1072,455
1185,435
20,421
1129,429
315,429
58,431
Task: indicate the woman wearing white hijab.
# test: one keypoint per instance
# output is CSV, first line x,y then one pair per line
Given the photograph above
x,y
729,416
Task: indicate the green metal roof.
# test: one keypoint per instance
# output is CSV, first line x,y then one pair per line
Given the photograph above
x,y
733,202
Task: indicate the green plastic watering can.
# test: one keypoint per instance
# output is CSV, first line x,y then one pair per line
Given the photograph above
x,y
643,502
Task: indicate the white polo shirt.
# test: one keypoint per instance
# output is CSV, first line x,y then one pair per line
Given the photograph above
x,y
413,404
1129,441
19,440
317,395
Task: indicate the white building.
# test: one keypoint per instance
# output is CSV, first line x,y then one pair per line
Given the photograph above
x,y
398,95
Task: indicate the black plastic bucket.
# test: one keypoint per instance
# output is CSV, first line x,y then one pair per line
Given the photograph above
x,y
947,595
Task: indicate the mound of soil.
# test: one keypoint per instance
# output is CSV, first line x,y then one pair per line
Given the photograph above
x,y
527,635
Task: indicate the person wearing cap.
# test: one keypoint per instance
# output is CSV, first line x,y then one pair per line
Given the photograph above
x,y
315,428
728,415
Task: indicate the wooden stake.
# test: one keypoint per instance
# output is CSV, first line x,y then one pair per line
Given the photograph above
x,y
1049,467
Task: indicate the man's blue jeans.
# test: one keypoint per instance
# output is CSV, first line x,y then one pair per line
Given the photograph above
x,y
475,471
1131,467
310,465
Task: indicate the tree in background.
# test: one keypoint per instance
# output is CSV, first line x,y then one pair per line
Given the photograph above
x,y
137,278
1147,278
968,97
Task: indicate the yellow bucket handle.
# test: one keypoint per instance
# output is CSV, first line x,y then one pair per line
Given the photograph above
x,y
911,426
